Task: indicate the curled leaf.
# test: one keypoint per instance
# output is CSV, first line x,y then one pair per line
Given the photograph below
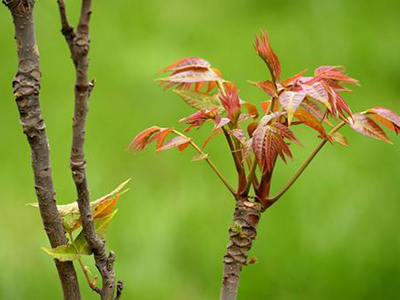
x,y
293,78
264,50
175,142
231,103
142,139
187,63
334,73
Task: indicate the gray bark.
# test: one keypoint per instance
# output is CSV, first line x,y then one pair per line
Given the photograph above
x,y
26,86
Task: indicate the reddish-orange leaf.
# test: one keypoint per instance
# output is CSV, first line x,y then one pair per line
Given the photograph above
x,y
215,133
102,209
267,86
310,120
317,91
264,50
265,105
191,76
315,110
251,109
183,146
175,142
230,101
366,126
386,117
251,127
268,142
220,122
292,79
141,140
198,118
334,73
187,63
105,208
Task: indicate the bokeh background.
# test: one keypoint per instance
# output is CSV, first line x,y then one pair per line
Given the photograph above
x,y
335,235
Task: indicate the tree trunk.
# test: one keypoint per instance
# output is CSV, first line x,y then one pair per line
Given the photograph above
x,y
26,86
241,236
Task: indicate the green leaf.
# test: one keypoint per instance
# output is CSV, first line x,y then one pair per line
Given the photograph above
x,y
100,225
63,252
199,101
72,208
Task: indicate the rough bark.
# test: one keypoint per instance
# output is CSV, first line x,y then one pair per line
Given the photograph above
x,y
241,236
79,43
26,86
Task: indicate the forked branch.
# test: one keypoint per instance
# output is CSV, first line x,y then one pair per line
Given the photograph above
x,y
303,166
79,43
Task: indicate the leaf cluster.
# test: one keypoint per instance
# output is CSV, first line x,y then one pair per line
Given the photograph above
x,y
103,211
259,134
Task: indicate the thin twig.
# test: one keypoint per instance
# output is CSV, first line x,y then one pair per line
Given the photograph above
x,y
79,44
209,161
26,87
91,283
304,165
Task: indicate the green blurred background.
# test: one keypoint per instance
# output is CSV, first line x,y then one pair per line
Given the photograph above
x,y
335,235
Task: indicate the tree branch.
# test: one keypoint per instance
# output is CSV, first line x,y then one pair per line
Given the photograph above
x,y
303,166
210,163
26,86
237,160
79,44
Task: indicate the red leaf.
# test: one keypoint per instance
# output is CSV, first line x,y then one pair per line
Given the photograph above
x,y
335,73
268,142
220,122
366,126
198,118
264,50
251,109
175,142
292,79
187,63
310,120
267,86
317,91
184,79
386,117
210,138
265,105
251,128
160,136
182,147
231,102
142,139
